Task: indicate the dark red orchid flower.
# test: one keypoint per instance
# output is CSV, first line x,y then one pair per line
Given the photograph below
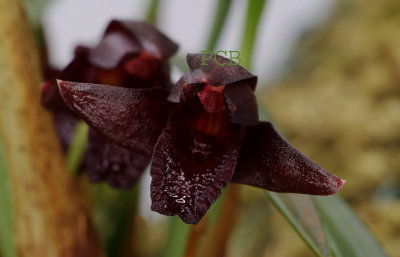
x,y
201,135
130,54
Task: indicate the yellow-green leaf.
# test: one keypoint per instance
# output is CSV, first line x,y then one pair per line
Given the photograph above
x,y
300,212
348,236
7,246
50,218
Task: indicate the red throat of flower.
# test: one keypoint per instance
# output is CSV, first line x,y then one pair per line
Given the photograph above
x,y
142,66
213,120
112,77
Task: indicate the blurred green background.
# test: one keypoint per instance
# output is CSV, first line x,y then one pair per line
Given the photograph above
x,y
339,103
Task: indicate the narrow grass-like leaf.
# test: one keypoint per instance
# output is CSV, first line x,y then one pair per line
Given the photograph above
x,y
215,209
254,12
300,212
113,211
151,16
221,13
7,246
347,233
177,237
77,149
34,9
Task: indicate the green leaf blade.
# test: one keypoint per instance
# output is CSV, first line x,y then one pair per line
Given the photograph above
x,y
34,9
301,213
7,246
76,150
347,233
222,10
178,235
254,12
113,211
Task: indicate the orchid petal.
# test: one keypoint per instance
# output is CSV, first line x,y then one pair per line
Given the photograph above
x,y
152,40
188,79
65,123
113,49
77,70
133,118
118,166
241,104
270,162
221,74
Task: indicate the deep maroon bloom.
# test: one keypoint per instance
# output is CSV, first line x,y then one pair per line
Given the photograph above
x,y
130,54
205,134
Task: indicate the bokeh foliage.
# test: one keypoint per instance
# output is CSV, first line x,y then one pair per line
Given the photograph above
x,y
339,102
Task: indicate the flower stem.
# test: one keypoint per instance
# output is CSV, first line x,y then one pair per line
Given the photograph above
x,y
177,238
196,234
254,12
77,148
151,16
218,24
210,238
217,236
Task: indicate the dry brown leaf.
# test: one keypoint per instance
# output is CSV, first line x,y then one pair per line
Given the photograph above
x,y
49,213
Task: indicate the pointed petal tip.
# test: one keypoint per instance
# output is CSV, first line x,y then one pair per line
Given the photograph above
x,y
340,185
62,86
330,184
334,187
60,82
268,161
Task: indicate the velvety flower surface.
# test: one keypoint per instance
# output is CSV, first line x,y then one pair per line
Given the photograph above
x,y
130,54
207,134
